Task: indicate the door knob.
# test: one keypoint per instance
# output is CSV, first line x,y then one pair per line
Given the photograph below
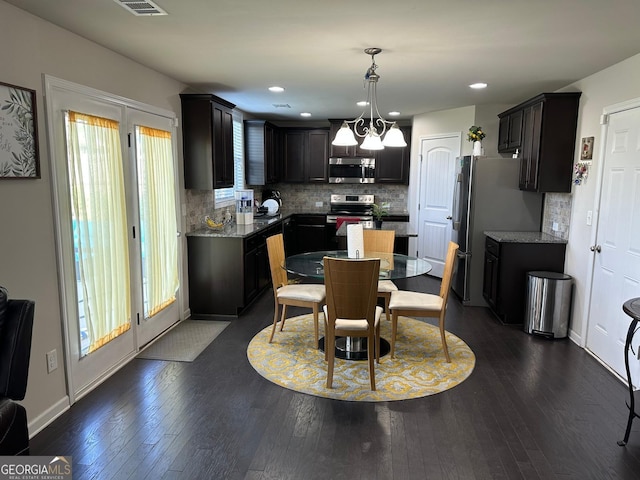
x,y
449,217
595,248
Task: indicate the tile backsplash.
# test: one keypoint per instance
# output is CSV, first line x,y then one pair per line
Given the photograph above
x,y
557,209
303,198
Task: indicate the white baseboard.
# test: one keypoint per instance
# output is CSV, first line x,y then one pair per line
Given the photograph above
x,y
36,425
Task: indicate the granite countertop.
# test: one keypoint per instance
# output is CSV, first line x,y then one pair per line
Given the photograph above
x,y
403,229
233,230
523,237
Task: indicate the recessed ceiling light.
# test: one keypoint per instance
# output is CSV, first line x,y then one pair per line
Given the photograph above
x,y
364,103
305,114
478,85
276,89
394,114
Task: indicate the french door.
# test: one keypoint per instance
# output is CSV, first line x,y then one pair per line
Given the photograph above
x,y
116,223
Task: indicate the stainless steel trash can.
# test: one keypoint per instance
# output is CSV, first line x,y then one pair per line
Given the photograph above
x,y
548,304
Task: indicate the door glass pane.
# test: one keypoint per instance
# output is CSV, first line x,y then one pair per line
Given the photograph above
x,y
96,181
158,228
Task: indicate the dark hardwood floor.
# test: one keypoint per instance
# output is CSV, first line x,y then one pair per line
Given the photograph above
x,y
532,409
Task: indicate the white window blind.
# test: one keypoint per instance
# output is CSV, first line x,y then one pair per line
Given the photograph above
x,y
224,195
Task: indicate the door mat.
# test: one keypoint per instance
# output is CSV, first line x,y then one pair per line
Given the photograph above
x,y
418,370
185,342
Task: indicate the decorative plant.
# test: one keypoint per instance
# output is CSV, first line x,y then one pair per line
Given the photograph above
x,y
475,134
379,212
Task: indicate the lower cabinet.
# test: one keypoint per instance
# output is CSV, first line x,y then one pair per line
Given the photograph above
x,y
505,273
227,273
307,233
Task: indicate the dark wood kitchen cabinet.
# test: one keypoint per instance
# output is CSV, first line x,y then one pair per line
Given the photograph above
x,y
548,137
262,152
305,155
226,274
505,273
510,132
392,163
207,138
308,233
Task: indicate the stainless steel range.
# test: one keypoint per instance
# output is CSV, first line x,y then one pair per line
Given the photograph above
x,y
352,206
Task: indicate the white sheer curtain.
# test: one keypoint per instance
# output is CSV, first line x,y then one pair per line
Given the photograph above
x,y
98,206
156,191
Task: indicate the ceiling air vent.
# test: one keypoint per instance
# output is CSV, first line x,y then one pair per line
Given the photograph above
x,y
282,105
141,8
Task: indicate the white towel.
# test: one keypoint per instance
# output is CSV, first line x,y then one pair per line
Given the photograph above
x,y
355,241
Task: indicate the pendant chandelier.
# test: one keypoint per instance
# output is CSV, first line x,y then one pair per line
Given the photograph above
x,y
373,128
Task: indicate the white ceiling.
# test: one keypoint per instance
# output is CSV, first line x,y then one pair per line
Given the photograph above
x,y
432,49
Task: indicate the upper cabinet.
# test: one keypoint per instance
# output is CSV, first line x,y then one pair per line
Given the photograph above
x,y
305,155
262,152
392,163
207,137
510,133
546,145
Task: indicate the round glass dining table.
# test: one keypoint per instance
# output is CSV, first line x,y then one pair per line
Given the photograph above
x,y
393,266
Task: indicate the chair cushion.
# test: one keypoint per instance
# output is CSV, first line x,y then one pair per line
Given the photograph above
x,y
354,324
403,300
303,291
386,286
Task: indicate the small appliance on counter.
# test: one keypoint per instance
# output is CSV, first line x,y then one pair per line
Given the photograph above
x,y
244,207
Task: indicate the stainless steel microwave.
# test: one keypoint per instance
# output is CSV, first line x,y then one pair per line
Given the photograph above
x,y
352,170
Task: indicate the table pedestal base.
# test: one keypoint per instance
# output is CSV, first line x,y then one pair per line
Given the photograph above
x,y
355,348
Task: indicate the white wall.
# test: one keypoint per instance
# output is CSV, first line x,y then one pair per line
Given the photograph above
x,y
31,48
618,83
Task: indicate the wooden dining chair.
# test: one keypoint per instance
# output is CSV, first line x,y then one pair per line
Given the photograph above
x,y
415,304
351,310
285,294
381,241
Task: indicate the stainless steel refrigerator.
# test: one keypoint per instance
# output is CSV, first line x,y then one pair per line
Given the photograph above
x,y
487,197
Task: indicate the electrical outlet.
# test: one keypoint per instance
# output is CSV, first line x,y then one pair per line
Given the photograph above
x,y
52,361
555,226
318,204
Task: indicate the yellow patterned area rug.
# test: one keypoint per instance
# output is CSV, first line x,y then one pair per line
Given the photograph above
x,y
418,370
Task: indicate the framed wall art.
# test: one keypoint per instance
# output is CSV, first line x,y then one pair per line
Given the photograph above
x,y
18,133
587,148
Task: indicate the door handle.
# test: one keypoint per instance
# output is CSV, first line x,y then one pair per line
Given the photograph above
x,y
595,248
449,217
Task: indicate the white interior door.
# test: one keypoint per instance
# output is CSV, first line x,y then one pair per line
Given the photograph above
x,y
435,198
616,270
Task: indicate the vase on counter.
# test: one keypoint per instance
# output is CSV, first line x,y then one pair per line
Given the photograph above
x,y
378,224
477,148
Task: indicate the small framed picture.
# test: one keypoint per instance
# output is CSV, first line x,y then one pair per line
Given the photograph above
x,y
18,133
587,148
